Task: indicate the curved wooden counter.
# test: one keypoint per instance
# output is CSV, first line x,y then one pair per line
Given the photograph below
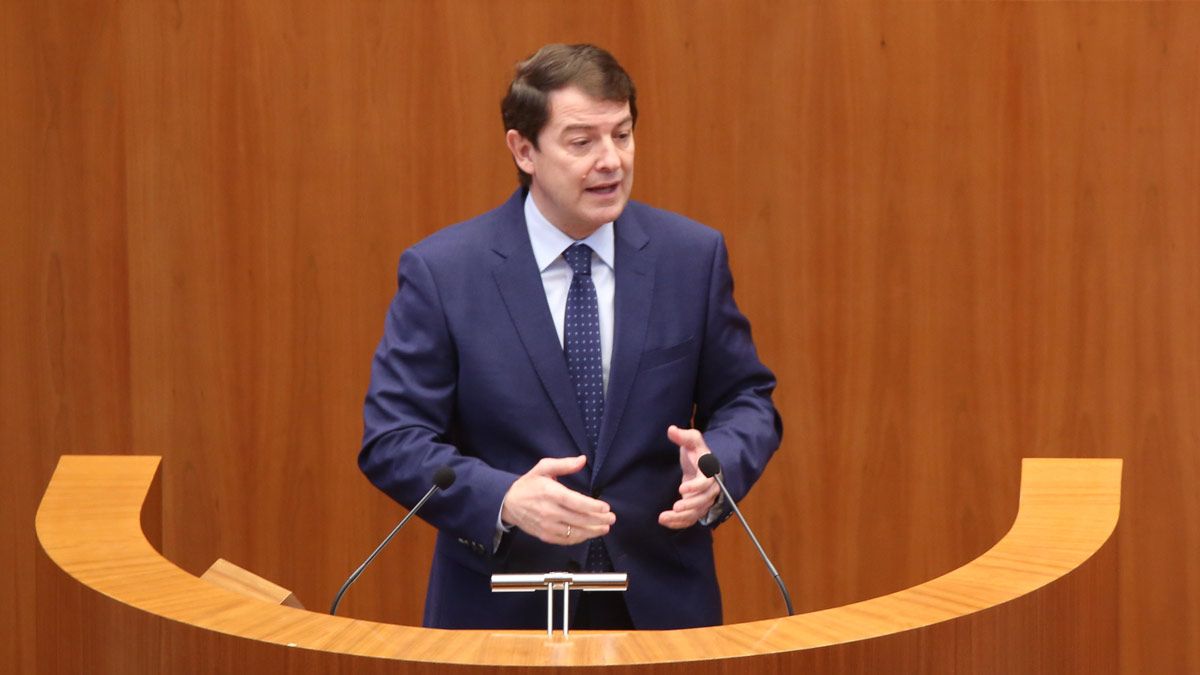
x,y
90,524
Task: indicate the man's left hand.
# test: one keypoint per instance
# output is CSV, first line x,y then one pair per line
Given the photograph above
x,y
697,493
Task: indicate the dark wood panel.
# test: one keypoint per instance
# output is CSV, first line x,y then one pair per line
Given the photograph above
x,y
64,361
964,234
23,435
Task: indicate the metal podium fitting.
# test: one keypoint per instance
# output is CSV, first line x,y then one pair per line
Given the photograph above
x,y
564,581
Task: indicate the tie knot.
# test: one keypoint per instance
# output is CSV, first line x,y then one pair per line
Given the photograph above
x,y
579,257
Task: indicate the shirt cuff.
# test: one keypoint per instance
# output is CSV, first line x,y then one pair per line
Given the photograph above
x,y
501,528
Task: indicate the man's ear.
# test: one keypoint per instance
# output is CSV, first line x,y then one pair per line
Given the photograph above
x,y
522,150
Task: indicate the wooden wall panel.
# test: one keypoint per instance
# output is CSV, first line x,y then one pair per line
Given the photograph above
x,y
964,233
23,437
64,361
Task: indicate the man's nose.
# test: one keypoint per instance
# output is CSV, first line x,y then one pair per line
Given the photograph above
x,y
608,160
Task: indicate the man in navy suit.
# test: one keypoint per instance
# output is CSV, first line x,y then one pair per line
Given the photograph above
x,y
570,354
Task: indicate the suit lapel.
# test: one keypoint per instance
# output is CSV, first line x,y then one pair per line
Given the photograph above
x,y
634,269
525,298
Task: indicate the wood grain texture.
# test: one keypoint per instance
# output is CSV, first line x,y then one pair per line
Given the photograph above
x,y
90,520
964,233
240,580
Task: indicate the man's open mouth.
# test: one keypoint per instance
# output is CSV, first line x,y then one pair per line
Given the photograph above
x,y
605,189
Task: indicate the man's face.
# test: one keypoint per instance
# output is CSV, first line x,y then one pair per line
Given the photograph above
x,y
582,168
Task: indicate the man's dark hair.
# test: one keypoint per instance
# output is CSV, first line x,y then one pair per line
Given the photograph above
x,y
526,107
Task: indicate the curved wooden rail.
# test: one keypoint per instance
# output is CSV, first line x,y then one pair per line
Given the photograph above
x,y
89,524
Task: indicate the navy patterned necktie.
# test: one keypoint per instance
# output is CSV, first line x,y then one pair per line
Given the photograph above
x,y
581,342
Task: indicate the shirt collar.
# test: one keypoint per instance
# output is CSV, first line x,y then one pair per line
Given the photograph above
x,y
549,242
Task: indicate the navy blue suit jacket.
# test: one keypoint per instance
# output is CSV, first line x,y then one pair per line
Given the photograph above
x,y
470,374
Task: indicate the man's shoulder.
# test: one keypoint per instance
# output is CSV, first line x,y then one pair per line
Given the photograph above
x,y
478,234
474,231
661,223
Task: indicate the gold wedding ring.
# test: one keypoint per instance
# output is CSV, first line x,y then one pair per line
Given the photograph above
x,y
568,535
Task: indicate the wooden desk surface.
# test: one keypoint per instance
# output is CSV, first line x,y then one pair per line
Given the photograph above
x,y
89,523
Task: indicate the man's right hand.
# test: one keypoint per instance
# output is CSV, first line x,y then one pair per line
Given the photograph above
x,y
541,506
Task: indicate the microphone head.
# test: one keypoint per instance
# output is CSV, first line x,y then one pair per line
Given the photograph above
x,y
709,465
443,477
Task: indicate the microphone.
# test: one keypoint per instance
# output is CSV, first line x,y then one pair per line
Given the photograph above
x,y
443,478
710,466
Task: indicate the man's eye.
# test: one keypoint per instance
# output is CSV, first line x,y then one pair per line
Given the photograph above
x,y
580,143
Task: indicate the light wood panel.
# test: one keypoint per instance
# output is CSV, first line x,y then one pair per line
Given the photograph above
x,y
240,580
90,521
963,232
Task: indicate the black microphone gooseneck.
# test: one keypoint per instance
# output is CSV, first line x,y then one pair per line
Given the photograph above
x,y
442,479
710,466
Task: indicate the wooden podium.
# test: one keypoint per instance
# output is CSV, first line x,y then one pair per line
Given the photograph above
x,y
122,607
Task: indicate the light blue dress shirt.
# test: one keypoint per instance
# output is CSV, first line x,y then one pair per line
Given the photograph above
x,y
549,242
